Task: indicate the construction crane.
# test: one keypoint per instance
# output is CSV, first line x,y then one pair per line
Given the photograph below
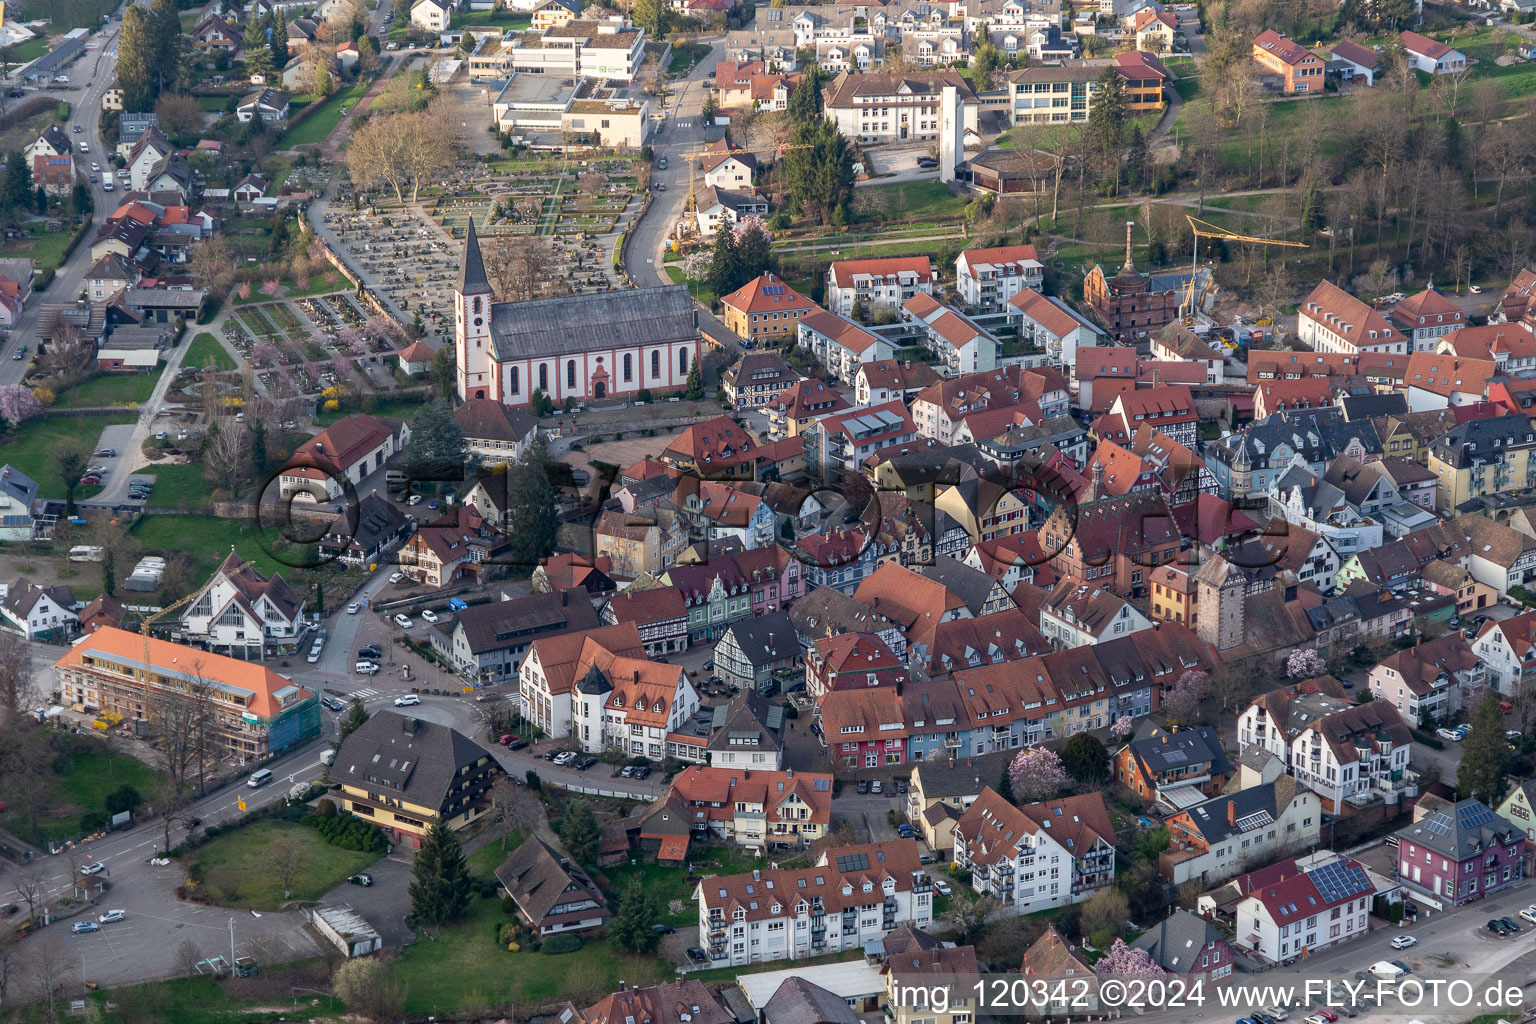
x,y
1202,229
150,620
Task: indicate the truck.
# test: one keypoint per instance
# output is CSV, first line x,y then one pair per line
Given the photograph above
x,y
328,757
1386,970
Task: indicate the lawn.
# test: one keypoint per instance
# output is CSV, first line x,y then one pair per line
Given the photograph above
x,y
89,775
112,389
30,448
503,16
314,129
399,408
698,289
27,52
206,347
484,861
685,56
667,883
177,487
244,857
210,1001
208,539
913,200
48,247
466,969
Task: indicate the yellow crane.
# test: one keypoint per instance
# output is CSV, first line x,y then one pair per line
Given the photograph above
x,y
1202,229
150,620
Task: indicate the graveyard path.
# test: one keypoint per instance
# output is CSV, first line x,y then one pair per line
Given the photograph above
x,y
343,130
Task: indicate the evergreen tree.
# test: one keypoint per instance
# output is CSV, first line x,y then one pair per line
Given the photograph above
x,y
40,200
631,928
1085,758
1137,159
578,831
108,573
1005,785
18,182
650,15
437,450
1484,757
1106,125
258,57
532,521
754,251
819,173
694,389
356,716
441,890
1455,152
259,448
170,45
805,103
136,59
323,76
279,46
80,200
724,269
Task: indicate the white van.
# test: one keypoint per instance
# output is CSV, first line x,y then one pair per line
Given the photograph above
x,y
259,778
328,757
1386,970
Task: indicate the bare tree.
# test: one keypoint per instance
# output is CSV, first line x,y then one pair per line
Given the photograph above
x,y
367,989
183,719
17,687
224,459
517,266
187,959
513,807
66,356
30,881
969,918
12,964
287,862
52,965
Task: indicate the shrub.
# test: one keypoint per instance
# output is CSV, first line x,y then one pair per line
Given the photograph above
x,y
563,943
508,936
326,808
508,906
347,832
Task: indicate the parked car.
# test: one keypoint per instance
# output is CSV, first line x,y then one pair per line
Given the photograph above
x,y
863,786
367,668
396,577
585,763
1529,913
95,867
408,700
106,453
429,615
81,927
1448,734
113,916
369,651
1404,941
1512,925
876,786
697,955
353,608
941,887
663,929
1277,1012
364,879
517,744
403,621
1497,927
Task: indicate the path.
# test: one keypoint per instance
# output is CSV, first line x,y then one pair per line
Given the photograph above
x,y
130,453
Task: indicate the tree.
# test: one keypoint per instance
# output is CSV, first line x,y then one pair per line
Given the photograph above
x,y
518,267
437,450
1085,758
724,266
1104,914
259,447
40,200
55,967
650,15
179,116
1484,756
578,831
258,56
1036,774
170,45
280,39
819,173
805,103
532,520
368,989
442,887
183,719
1123,959
356,716
18,181
1138,160
968,918
286,863
1182,705
1150,843
136,58
108,573
17,405
1106,125
631,928
321,77
1123,727
754,250
71,460
513,807
693,389
1305,663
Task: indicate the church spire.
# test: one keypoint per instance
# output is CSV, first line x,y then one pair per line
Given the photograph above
x,y
472,280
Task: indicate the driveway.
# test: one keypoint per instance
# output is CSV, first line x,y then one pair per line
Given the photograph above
x,y
383,904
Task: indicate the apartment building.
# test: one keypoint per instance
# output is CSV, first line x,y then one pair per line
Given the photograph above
x,y
761,809
1332,320
1482,457
1038,856
839,444
873,283
874,107
987,278
1461,853
765,310
851,896
1311,911
839,344
1427,317
243,613
1429,682
608,49
961,344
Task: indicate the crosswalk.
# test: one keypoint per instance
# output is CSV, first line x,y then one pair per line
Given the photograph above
x,y
364,693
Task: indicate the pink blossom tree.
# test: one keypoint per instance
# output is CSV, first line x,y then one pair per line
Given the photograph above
x,y
1123,727
1182,704
17,404
244,291
270,287
748,223
1305,664
1036,774
380,326
1123,959
264,353
342,367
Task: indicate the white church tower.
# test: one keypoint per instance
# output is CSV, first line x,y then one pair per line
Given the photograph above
x,y
472,300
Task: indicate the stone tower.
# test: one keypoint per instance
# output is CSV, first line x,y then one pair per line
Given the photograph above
x,y
472,298
1221,588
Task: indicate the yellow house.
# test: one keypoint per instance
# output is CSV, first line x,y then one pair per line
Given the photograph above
x,y
406,775
639,544
1173,595
985,508
939,792
1519,808
926,983
1482,457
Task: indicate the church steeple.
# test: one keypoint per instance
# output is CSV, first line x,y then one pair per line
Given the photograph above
x,y
472,280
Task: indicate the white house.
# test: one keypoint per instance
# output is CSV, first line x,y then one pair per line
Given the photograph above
x,y
1077,614
1332,320
1043,855
350,448
1309,911
1358,756
840,345
1431,57
718,207
1242,828
36,612
240,612
1508,649
630,705
851,896
961,344
18,492
270,105
1052,326
727,168
1426,318
1430,681
987,278
877,282
432,15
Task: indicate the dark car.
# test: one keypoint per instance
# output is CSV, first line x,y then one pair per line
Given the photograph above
x,y
1497,927
901,785
550,755
1402,966
928,163
697,955
863,786
333,703
364,879
517,744
10,909
642,772
369,651
1512,925
663,929
585,763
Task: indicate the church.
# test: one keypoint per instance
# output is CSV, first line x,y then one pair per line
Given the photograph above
x,y
585,347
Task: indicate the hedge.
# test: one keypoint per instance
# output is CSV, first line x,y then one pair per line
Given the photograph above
x,y
561,943
347,832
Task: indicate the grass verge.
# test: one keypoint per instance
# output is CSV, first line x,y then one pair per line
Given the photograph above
x,y
244,858
205,348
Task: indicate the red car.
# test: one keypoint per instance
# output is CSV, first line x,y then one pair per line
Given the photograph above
x,y
505,739
1323,1011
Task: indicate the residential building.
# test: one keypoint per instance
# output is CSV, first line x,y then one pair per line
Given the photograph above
x,y
1051,325
1426,317
551,892
1432,57
487,642
432,15
666,1002
1052,958
1305,913
406,775
271,105
1332,320
723,165
792,411
1460,853
872,283
1429,682
658,613
365,533
1482,457
876,108
1508,649
1355,63
939,792
851,896
1215,840
760,808
254,712
448,550
625,703
351,448
637,544
756,378
1183,944
1175,767
548,676
838,444
1297,68
761,654
243,613
927,980
494,432
765,310
961,344
841,345
1251,460
1076,613
718,208
54,174
987,278
1041,855
1355,756
39,613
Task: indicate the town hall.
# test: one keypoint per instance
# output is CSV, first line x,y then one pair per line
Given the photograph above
x,y
583,347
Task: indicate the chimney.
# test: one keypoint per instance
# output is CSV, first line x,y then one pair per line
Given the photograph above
x,y
1231,814
411,725
757,875
320,446
622,985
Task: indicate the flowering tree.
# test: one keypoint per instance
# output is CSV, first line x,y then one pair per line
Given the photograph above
x,y
696,265
244,291
342,367
265,353
1036,774
1123,959
747,224
17,404
270,287
380,326
1304,664
1182,704
1123,727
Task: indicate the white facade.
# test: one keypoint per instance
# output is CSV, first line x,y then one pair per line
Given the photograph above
x,y
598,724
431,15
1298,826
551,712
1037,875
1316,765
730,174
837,351
871,289
987,284
1065,630
1508,661
222,617
1282,939
45,616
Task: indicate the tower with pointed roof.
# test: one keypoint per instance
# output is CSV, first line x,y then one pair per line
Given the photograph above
x,y
472,305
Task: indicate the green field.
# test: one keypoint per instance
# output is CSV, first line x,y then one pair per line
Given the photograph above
x,y
911,200
27,52
314,129
503,16
82,786
177,487
245,856
205,347
685,56
399,408
208,539
48,247
31,448
465,969
211,1001
112,389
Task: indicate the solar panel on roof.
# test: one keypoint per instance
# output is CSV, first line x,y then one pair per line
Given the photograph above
x,y
853,862
1175,756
